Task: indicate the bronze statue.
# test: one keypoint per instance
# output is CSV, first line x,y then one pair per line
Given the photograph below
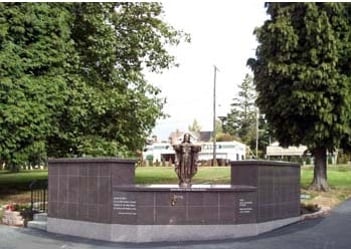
x,y
186,161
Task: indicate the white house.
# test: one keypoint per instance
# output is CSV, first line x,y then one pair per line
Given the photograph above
x,y
229,151
274,150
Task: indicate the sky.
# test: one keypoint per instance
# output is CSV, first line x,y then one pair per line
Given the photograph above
x,y
221,34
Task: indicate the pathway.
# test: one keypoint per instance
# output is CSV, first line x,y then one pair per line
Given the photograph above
x,y
332,232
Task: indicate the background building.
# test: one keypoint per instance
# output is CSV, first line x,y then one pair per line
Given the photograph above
x,y
225,151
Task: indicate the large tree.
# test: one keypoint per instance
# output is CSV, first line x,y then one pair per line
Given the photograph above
x,y
71,77
33,51
112,108
302,76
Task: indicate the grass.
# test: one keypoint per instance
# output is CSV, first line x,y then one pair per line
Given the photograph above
x,y
153,175
21,178
339,179
162,175
13,186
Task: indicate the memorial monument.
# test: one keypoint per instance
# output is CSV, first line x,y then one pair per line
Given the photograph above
x,y
97,198
186,161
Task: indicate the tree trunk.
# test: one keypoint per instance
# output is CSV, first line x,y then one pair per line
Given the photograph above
x,y
319,182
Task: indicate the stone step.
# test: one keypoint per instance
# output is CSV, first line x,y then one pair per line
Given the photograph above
x,y
40,217
12,218
13,222
41,225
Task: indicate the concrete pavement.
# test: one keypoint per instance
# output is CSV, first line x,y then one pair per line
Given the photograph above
x,y
332,232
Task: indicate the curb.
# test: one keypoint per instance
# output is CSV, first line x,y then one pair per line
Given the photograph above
x,y
323,212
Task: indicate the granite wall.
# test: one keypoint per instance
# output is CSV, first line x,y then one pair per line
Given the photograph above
x,y
170,205
96,198
81,189
277,183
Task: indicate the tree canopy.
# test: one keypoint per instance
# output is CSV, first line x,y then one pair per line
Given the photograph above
x,y
302,76
71,77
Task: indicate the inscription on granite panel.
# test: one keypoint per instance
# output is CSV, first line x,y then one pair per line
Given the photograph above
x,y
175,198
245,206
123,204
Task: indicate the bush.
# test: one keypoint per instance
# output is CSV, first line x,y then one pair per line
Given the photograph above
x,y
343,158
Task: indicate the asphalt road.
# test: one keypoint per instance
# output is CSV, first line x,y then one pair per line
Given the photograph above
x,y
332,232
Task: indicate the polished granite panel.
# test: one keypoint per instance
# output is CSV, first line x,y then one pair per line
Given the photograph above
x,y
153,206
103,191
80,188
278,186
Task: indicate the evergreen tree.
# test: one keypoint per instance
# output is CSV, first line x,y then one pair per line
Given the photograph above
x,y
195,128
241,121
302,76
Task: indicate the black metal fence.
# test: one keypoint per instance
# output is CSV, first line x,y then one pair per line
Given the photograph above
x,y
38,196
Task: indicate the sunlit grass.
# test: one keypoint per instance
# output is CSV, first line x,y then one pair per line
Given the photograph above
x,y
162,175
22,177
338,176
155,175
339,179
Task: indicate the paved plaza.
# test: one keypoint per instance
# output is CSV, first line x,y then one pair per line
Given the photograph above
x,y
332,232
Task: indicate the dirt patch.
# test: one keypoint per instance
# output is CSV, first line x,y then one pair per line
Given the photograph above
x,y
328,199
19,197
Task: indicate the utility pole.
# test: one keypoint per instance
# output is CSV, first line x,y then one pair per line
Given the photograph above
x,y
214,116
257,130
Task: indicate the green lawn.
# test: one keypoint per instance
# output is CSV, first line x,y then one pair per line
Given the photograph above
x,y
338,176
14,186
22,179
160,175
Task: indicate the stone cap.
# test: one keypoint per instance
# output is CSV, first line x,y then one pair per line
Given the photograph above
x,y
91,160
194,188
264,163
